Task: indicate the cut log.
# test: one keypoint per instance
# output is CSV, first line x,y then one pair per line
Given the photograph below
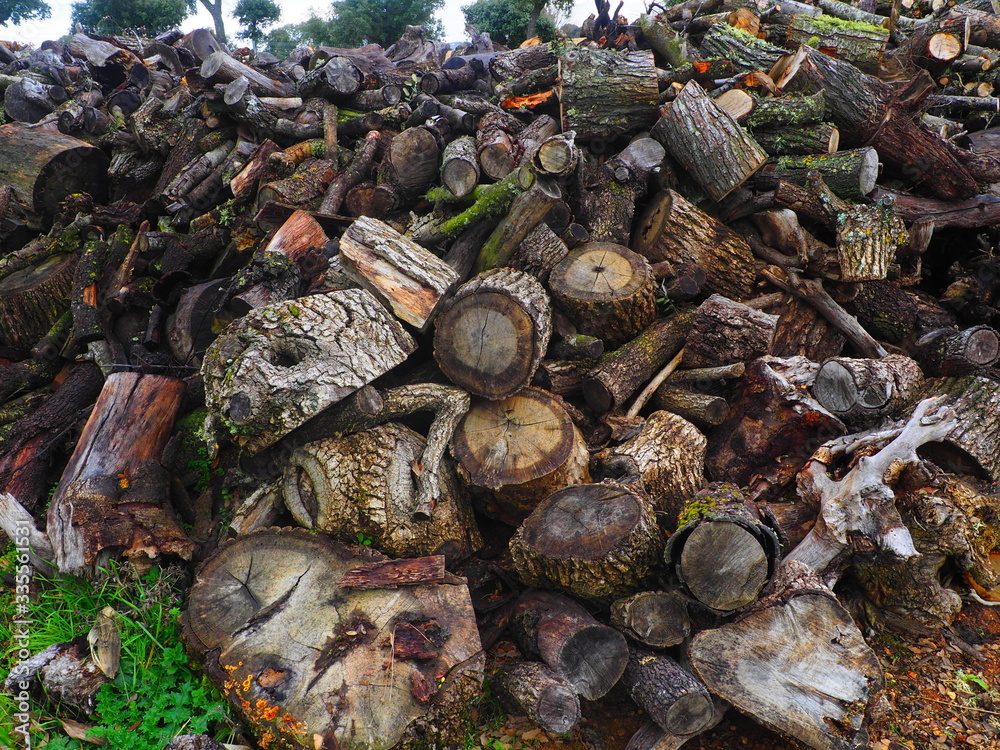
x,y
495,146
379,650
673,229
818,138
44,167
606,290
620,373
363,483
33,299
669,456
604,94
406,278
597,542
534,690
867,240
653,618
798,664
522,449
490,336
327,345
694,123
113,494
409,166
849,174
459,166
702,409
539,252
722,553
358,170
591,657
947,351
855,41
724,332
222,67
860,392
526,212
670,695
793,110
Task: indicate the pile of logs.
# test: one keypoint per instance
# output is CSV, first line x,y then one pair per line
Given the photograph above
x,y
629,348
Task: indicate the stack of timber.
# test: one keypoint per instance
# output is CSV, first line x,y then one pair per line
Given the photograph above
x,y
673,328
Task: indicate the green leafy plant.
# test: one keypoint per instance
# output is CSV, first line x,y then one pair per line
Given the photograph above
x,y
365,541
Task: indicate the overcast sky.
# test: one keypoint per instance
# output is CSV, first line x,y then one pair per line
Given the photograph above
x,y
293,11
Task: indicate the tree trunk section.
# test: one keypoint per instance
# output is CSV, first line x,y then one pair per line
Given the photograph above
x,y
861,392
656,619
670,695
534,690
33,299
724,332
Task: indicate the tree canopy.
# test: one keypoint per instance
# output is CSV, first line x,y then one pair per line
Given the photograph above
x,y
112,16
15,11
357,22
255,16
508,21
314,32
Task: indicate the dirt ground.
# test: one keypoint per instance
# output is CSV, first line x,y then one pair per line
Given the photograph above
x,y
942,693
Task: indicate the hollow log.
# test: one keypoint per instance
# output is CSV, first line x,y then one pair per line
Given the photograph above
x,y
522,449
44,167
694,123
491,334
534,690
328,345
669,456
113,494
591,657
606,290
597,542
656,619
604,94
722,553
673,229
670,695
409,280
620,373
379,650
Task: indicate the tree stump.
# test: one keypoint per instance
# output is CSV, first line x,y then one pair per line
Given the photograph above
x,y
722,553
281,635
44,167
594,541
606,290
363,483
591,657
521,449
113,495
797,663
490,336
672,229
280,365
669,456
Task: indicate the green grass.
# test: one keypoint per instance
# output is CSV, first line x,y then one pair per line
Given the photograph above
x,y
155,696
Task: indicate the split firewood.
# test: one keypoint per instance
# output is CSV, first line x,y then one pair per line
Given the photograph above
x,y
521,449
318,637
597,542
591,657
329,344
491,334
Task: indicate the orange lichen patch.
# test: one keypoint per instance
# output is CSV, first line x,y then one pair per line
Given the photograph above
x,y
531,101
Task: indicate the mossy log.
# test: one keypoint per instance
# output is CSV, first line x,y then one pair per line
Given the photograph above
x,y
849,174
857,42
404,661
520,449
597,542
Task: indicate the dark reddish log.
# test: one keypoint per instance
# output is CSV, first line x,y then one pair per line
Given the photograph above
x,y
112,496
670,695
588,655
724,332
245,183
521,449
722,553
390,574
597,542
673,229
774,428
694,123
606,290
620,373
490,336
44,167
860,392
534,690
609,191
653,618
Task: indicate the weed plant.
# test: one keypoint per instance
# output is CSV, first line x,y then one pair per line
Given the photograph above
x,y
154,697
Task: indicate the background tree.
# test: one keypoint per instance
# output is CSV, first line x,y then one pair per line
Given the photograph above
x,y
214,8
358,22
508,21
255,15
312,32
111,16
15,11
